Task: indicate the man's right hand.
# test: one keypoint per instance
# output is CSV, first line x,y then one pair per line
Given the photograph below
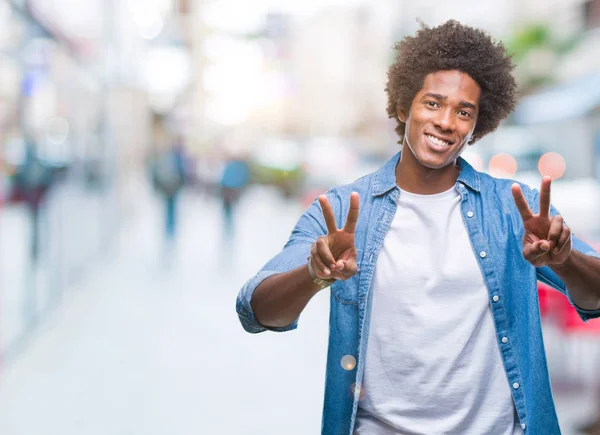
x,y
334,256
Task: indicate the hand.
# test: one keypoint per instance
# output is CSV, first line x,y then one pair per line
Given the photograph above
x,y
334,256
547,240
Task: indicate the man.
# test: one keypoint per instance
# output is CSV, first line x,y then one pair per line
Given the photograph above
x,y
168,178
234,180
432,265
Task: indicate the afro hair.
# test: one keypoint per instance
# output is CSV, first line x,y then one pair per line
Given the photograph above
x,y
453,46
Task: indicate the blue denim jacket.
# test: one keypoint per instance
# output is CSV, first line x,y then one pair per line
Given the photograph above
x,y
495,229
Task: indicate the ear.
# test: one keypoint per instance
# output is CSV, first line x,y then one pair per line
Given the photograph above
x,y
402,117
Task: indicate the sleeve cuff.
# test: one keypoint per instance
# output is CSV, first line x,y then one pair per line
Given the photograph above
x,y
244,309
584,315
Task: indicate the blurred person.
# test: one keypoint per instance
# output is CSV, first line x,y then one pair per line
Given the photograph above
x,y
235,178
434,322
32,180
168,178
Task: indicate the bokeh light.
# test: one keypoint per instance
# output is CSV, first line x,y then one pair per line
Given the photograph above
x,y
354,388
552,164
57,130
474,159
348,362
503,165
152,30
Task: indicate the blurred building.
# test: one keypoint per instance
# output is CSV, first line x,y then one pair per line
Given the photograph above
x,y
79,85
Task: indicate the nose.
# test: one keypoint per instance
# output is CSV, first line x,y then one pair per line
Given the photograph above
x,y
444,120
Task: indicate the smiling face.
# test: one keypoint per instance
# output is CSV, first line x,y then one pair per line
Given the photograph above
x,y
441,120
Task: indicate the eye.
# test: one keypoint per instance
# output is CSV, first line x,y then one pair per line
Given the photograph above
x,y
431,104
464,113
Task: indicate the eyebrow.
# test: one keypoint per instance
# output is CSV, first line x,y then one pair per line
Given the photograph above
x,y
441,97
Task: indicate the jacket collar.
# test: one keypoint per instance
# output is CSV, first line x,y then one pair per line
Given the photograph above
x,y
385,177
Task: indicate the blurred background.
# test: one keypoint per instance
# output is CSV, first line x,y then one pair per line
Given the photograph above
x,y
155,154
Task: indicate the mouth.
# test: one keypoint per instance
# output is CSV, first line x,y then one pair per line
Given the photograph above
x,y
438,141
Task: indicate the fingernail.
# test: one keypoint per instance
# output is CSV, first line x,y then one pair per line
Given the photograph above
x,y
544,248
327,271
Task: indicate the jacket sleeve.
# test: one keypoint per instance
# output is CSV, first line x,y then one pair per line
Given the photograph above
x,y
546,274
309,228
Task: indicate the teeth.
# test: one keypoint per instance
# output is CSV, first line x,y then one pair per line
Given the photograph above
x,y
437,141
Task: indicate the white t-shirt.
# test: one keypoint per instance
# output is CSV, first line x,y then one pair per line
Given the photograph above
x,y
432,365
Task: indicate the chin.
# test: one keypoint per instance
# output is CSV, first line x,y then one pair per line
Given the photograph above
x,y
434,162
435,166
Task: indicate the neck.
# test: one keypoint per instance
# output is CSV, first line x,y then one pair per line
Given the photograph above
x,y
413,177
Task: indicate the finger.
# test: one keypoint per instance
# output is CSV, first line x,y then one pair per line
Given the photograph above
x,y
350,269
340,270
520,202
352,218
535,250
556,227
319,267
563,240
545,196
328,214
322,245
325,253
317,262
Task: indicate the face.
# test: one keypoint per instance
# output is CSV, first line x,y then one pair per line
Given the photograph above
x,y
442,118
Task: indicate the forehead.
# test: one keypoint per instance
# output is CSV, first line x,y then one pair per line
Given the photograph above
x,y
455,85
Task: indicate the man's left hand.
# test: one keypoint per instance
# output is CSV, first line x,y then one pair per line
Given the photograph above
x,y
547,240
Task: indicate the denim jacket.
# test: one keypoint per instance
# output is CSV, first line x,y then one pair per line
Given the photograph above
x,y
495,229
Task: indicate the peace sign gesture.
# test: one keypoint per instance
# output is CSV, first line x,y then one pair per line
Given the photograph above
x,y
334,256
547,240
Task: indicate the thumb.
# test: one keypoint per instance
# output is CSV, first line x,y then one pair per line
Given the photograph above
x,y
345,269
532,251
350,267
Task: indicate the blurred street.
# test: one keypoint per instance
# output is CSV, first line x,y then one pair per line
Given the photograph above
x,y
144,348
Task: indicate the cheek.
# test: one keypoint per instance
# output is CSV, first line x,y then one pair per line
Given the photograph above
x,y
467,133
415,121
472,129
